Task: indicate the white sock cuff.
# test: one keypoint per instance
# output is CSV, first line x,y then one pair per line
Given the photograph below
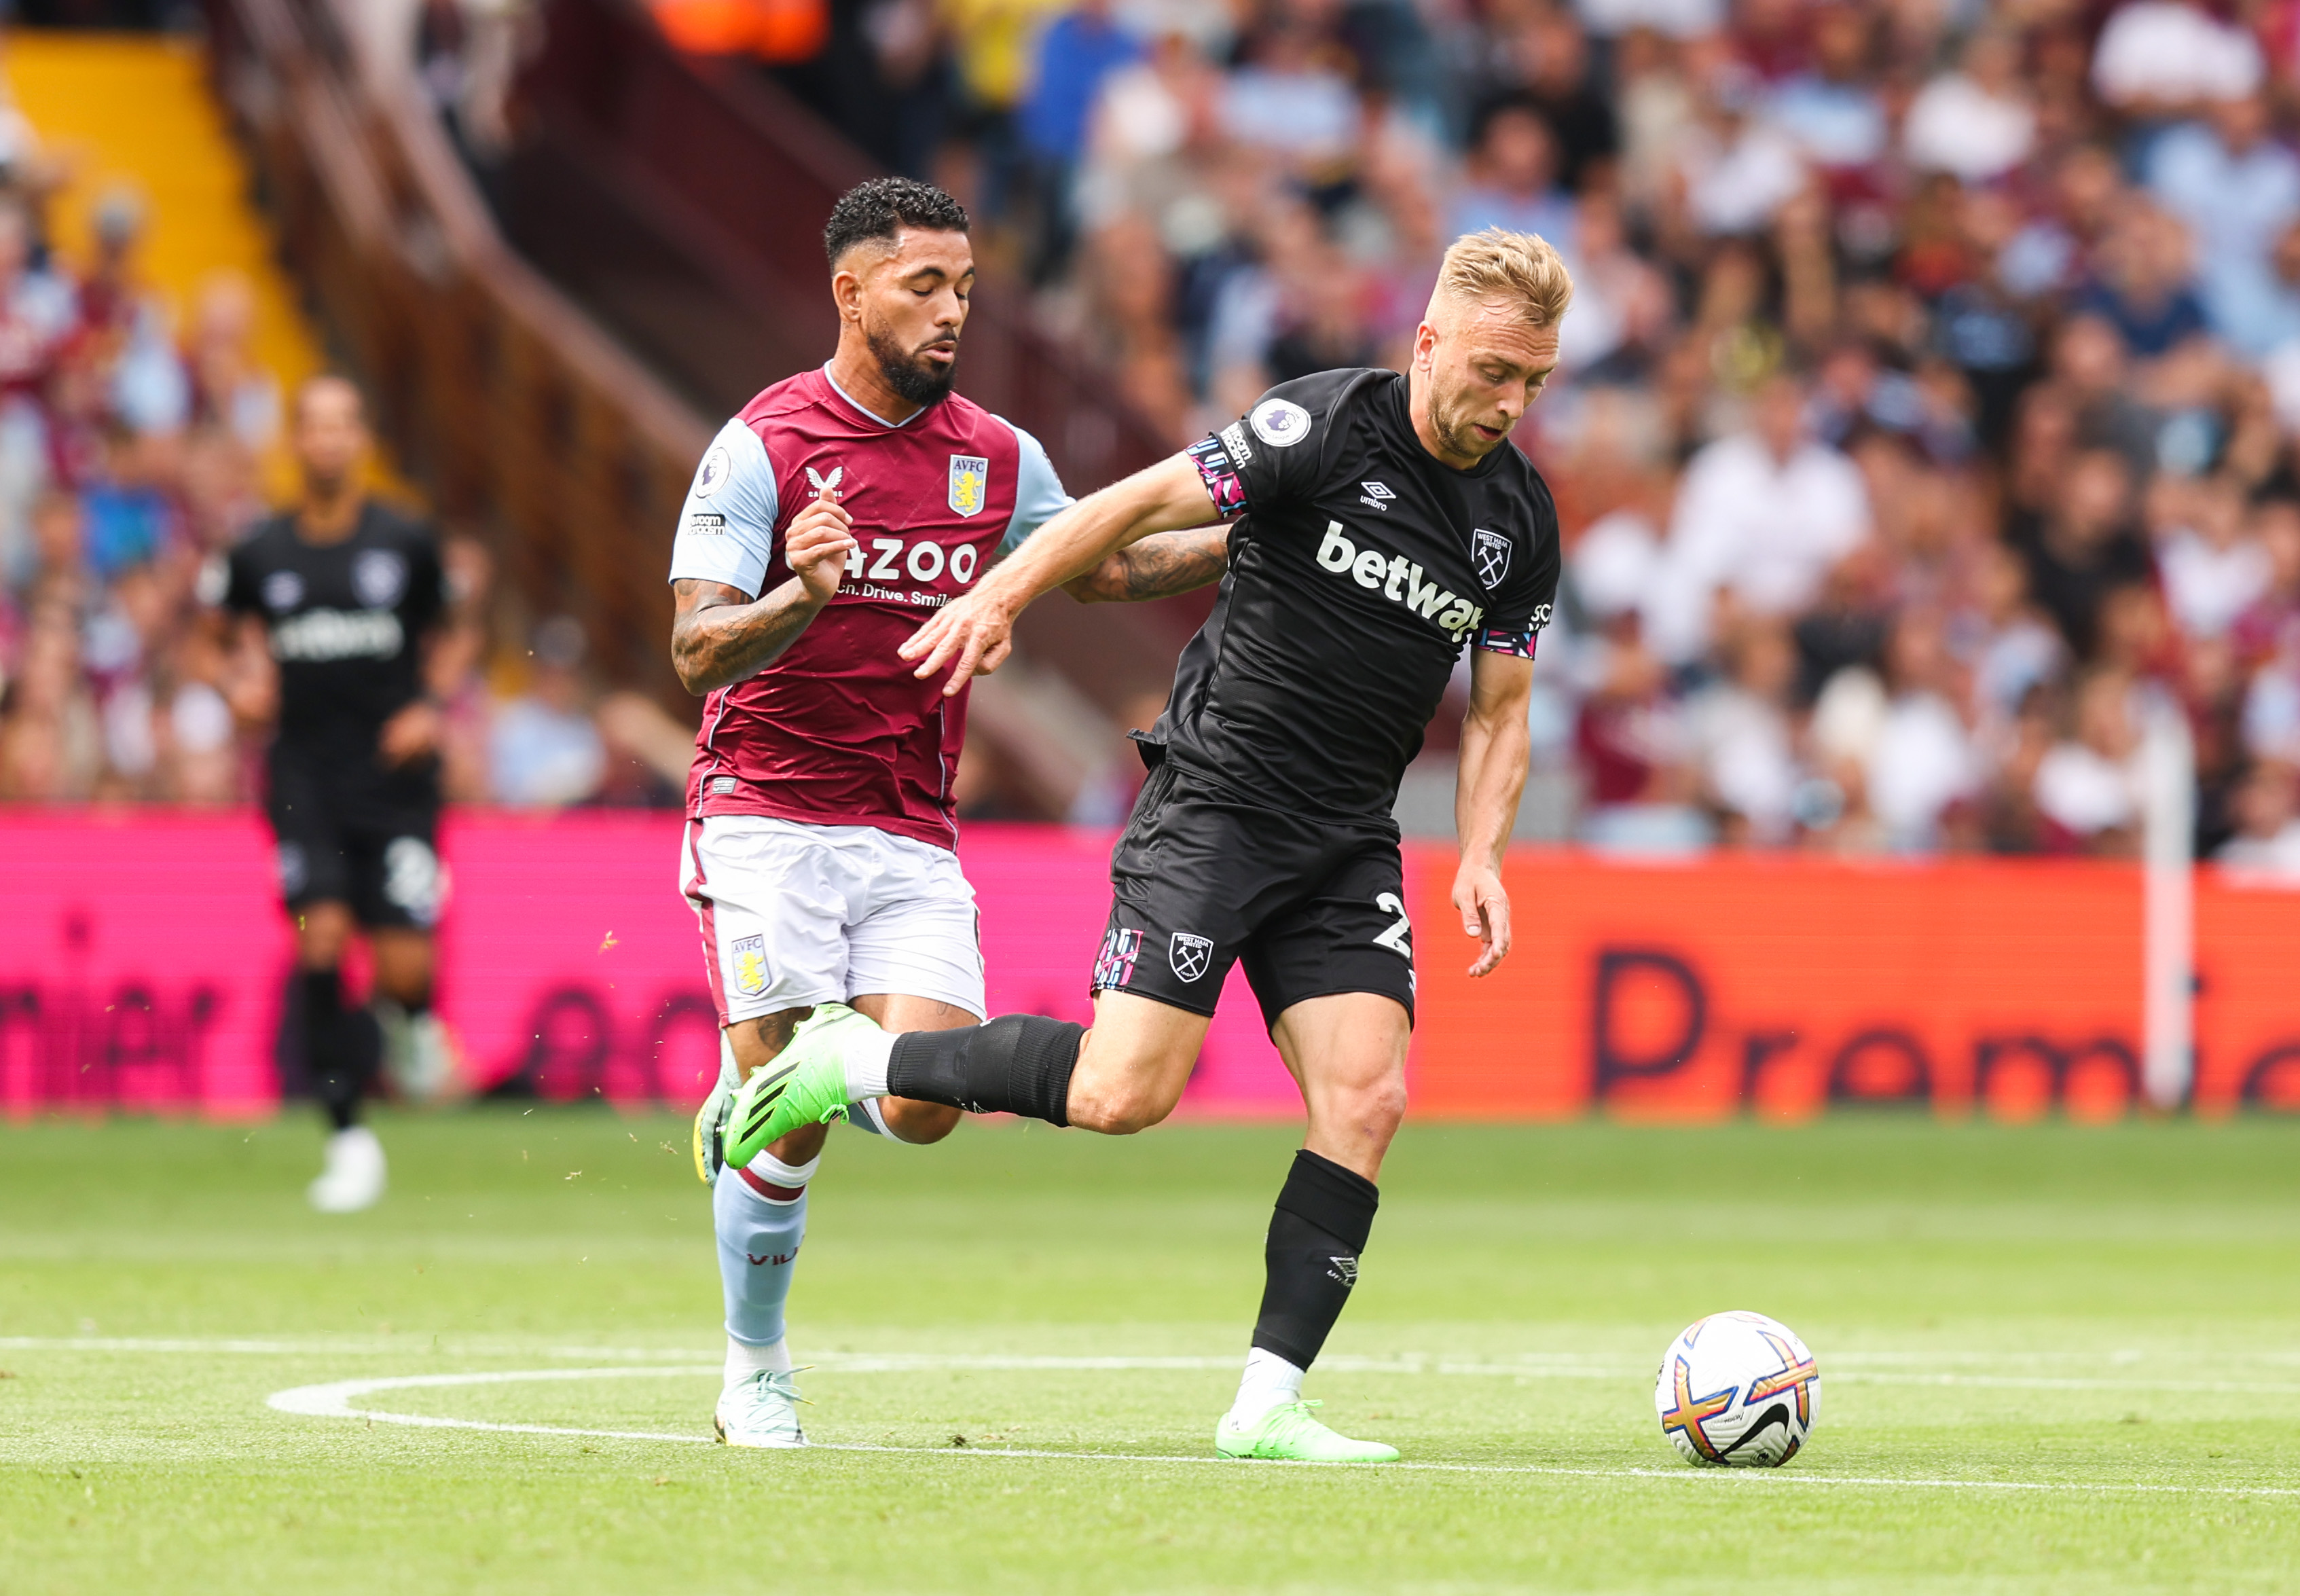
x,y
743,1358
875,1112
775,1173
866,1064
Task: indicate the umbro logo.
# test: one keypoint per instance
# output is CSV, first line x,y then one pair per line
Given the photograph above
x,y
1375,495
1344,1269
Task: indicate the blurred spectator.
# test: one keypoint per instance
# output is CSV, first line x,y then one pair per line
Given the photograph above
x,y
543,747
2085,545
2267,841
2087,786
1762,516
1976,123
1078,51
2162,58
1513,172
1744,740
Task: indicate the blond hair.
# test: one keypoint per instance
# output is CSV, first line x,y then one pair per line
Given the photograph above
x,y
1500,264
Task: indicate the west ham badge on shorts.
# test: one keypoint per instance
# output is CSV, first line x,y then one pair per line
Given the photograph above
x,y
970,483
1491,557
1191,957
749,955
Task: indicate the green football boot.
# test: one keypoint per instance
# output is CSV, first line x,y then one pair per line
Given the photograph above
x,y
710,1131
804,1085
1289,1434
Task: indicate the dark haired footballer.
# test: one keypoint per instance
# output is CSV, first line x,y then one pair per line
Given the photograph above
x,y
842,507
1380,525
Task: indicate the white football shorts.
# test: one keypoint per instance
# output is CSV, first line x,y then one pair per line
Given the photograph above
x,y
794,914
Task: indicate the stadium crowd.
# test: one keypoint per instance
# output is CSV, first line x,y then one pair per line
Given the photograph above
x,y
1931,386
132,454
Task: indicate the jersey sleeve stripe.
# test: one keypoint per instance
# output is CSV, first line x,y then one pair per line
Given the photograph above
x,y
1212,455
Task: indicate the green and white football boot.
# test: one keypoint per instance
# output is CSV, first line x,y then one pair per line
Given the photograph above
x,y
761,1410
711,1130
1287,1434
804,1085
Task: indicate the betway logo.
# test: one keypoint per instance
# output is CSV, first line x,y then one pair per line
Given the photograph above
x,y
322,635
1400,582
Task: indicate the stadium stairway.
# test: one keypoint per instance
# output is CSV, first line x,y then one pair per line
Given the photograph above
x,y
137,110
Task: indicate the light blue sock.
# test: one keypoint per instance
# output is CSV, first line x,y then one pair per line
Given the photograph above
x,y
759,1239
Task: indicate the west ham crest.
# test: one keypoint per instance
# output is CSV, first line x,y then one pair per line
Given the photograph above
x,y
1491,557
1191,957
970,483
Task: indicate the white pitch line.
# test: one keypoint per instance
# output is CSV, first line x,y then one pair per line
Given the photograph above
x,y
887,1363
333,1400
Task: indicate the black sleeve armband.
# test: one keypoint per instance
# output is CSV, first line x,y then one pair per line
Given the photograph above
x,y
1213,455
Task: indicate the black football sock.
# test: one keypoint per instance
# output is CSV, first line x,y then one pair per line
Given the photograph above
x,y
342,1048
1016,1063
1324,1214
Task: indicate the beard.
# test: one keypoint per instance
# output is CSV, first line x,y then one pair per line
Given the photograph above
x,y
1454,433
908,374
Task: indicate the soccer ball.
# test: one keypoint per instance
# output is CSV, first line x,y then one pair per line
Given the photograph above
x,y
1740,1389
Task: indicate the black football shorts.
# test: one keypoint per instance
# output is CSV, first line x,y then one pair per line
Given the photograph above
x,y
353,834
1201,880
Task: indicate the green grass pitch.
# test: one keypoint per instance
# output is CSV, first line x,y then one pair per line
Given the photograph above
x,y
2054,1360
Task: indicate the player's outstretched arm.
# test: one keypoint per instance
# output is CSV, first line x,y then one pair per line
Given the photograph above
x,y
1495,747
720,634
973,634
1157,567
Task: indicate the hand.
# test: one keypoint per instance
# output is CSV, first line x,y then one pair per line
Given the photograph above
x,y
816,544
1484,907
975,628
412,734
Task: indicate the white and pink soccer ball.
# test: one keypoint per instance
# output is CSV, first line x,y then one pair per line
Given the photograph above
x,y
1737,1390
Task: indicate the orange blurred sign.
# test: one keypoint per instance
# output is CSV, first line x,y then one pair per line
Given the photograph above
x,y
1782,986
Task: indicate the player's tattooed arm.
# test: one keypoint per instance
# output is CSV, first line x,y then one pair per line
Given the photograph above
x,y
720,635
1495,746
1157,567
972,635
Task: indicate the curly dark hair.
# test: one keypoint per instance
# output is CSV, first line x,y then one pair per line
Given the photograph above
x,y
883,207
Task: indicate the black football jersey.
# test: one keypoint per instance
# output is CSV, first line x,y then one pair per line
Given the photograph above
x,y
1360,567
345,620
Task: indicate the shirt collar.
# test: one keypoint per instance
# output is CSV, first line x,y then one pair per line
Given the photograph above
x,y
862,410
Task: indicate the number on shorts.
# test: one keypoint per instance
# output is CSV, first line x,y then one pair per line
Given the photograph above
x,y
1399,938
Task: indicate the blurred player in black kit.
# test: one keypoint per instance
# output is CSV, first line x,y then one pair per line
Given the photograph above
x,y
344,593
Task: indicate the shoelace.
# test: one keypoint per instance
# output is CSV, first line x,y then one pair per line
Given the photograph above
x,y
784,1382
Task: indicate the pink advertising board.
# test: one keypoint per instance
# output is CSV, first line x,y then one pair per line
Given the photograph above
x,y
143,959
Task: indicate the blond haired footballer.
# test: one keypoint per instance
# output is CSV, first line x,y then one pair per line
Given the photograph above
x,y
1379,526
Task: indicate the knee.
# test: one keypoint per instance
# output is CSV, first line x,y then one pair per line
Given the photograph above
x,y
1377,1107
322,931
917,1123
1117,1109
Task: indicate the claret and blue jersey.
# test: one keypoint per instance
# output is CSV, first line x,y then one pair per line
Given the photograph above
x,y
836,731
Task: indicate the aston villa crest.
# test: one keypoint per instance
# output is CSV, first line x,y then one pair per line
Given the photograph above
x,y
970,483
